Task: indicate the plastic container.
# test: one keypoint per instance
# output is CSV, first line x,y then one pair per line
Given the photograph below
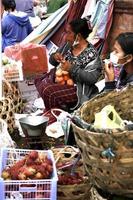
x,y
108,118
45,189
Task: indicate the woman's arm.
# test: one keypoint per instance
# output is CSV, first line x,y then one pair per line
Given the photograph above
x,y
110,83
57,57
54,59
89,74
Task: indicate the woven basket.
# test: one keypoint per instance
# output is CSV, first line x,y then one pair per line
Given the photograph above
x,y
11,103
94,195
67,154
74,192
112,175
122,101
78,192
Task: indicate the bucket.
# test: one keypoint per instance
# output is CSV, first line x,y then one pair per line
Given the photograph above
x,y
33,125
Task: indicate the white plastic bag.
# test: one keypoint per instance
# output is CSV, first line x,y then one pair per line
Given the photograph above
x,y
5,138
61,126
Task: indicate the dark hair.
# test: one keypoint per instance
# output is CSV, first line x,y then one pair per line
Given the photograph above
x,y
80,26
125,40
9,4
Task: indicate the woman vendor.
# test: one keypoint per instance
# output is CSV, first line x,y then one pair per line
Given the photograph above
x,y
81,61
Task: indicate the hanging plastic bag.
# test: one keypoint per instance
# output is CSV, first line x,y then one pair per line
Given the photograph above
x,y
61,126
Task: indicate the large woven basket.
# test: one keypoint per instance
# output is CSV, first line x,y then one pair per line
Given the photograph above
x,y
112,175
79,191
122,101
94,195
74,192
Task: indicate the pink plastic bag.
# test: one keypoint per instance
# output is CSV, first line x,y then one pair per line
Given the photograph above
x,y
15,51
33,57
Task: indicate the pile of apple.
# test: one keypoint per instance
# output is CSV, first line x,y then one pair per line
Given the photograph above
x,y
62,77
35,165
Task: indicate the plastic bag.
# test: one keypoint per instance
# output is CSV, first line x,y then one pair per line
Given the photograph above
x,y
61,126
5,138
108,118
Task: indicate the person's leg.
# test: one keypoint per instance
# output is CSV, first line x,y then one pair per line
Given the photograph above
x,y
58,96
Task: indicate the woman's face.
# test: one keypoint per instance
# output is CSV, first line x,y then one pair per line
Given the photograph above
x,y
70,35
118,50
121,56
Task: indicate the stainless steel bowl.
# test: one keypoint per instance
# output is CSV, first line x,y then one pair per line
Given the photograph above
x,y
33,125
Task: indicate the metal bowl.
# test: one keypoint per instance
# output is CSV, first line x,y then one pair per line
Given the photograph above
x,y
34,125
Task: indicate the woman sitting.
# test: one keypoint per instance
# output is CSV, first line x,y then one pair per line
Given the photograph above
x,y
80,59
121,59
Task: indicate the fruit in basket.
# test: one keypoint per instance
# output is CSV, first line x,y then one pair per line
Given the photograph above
x,y
33,155
29,162
68,179
21,176
31,158
38,175
33,166
28,171
14,174
5,174
14,170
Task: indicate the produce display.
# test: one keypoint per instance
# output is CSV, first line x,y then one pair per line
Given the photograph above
x,y
11,69
69,168
72,182
67,178
33,166
63,78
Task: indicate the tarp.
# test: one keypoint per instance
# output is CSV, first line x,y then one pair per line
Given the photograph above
x,y
101,20
46,26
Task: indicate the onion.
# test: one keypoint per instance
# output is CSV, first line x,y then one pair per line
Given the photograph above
x,y
58,72
70,82
59,79
64,72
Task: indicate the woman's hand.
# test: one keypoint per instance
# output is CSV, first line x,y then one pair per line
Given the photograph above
x,y
58,57
109,72
66,65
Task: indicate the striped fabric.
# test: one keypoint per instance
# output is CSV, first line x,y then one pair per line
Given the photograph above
x,y
56,95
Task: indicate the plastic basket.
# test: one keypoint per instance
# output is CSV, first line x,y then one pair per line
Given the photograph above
x,y
45,189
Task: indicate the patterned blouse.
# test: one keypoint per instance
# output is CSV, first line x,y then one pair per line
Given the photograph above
x,y
80,62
